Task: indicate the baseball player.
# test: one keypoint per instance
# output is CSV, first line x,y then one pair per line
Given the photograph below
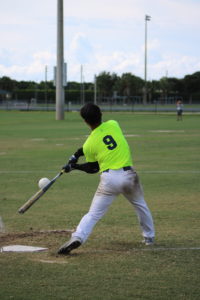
x,y
107,151
179,110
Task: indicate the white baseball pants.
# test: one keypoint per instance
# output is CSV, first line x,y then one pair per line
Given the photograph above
x,y
113,183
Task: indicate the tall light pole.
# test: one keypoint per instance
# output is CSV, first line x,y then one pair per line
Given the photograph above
x,y
60,92
147,18
95,89
82,87
46,100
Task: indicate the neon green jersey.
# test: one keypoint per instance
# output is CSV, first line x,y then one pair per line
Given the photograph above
x,y
107,145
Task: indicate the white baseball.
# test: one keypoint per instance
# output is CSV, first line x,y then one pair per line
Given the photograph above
x,y
43,182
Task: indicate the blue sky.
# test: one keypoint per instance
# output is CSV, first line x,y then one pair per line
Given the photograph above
x,y
106,35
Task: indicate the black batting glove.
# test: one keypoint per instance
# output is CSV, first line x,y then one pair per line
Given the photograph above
x,y
67,168
73,159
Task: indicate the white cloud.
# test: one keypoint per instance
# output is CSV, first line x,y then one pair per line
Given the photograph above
x,y
35,69
102,35
118,62
175,66
105,9
80,48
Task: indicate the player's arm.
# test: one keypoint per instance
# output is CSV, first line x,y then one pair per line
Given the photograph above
x,y
75,157
89,167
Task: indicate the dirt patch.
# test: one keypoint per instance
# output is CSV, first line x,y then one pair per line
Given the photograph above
x,y
12,237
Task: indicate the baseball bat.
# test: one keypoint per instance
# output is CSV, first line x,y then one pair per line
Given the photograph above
x,y
38,195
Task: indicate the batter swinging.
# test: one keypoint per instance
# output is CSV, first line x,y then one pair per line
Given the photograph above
x,y
107,151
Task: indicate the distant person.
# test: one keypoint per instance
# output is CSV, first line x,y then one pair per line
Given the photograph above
x,y
179,109
107,151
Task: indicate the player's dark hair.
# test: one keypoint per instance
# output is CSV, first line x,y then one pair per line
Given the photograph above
x,y
91,113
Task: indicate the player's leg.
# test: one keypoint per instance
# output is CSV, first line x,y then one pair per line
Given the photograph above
x,y
99,207
181,112
103,198
134,193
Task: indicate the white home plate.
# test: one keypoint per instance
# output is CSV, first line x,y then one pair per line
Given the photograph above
x,y
21,248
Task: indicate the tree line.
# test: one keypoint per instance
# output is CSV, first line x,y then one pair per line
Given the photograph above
x,y
108,86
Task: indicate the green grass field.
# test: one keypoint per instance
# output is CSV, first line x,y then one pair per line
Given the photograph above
x,y
112,264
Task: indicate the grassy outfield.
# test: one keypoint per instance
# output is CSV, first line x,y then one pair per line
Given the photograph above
x,y
112,264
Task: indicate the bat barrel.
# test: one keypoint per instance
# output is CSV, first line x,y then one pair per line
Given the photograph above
x,y
22,210
30,202
35,197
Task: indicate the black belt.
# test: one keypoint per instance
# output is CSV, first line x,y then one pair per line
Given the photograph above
x,y
124,168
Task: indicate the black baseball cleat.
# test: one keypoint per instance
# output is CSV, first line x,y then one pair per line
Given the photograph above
x,y
72,244
148,241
